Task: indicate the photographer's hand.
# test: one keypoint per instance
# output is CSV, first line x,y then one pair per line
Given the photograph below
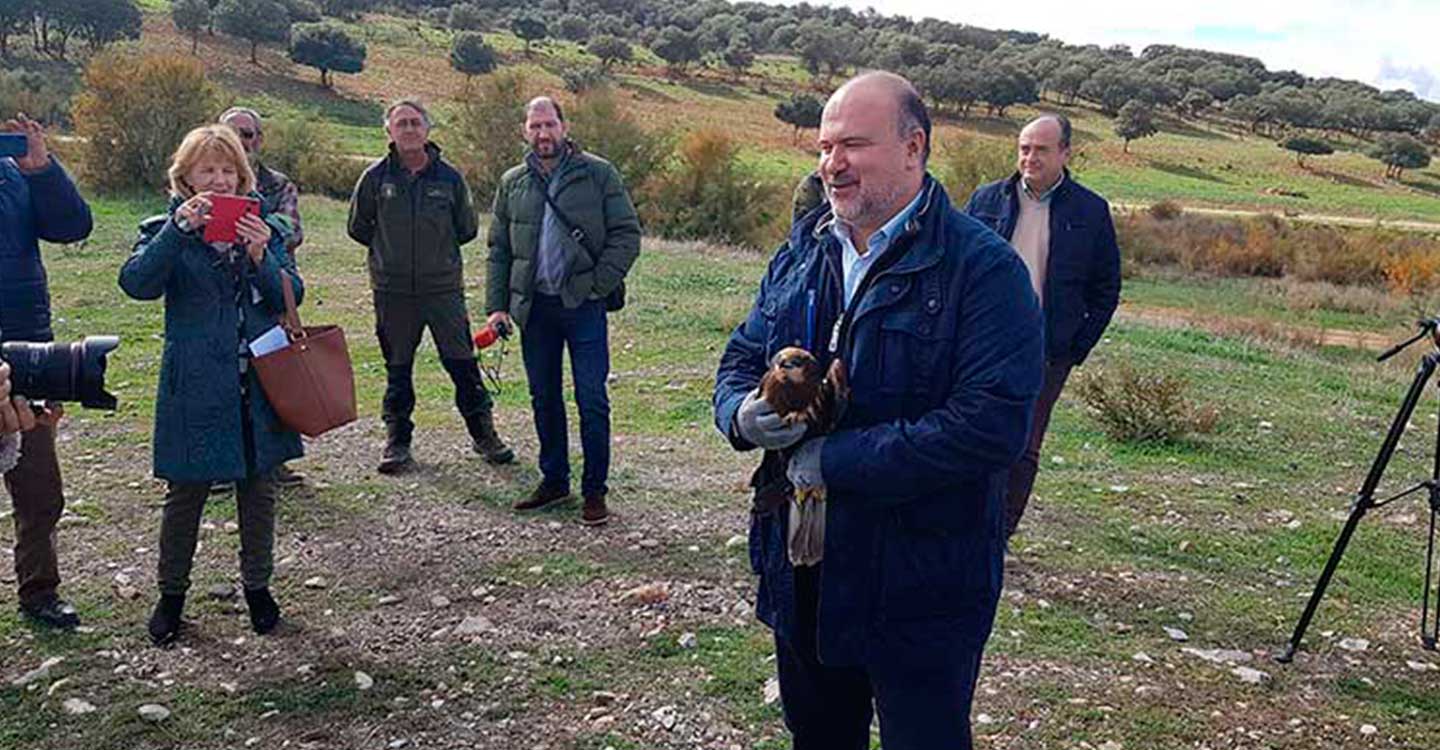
x,y
194,214
255,233
15,413
37,156
52,415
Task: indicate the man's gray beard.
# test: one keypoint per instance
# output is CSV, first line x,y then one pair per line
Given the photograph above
x,y
870,206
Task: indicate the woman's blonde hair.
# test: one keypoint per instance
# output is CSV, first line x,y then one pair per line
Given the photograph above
x,y
204,141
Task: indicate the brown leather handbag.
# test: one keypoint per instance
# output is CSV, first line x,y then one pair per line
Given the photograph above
x,y
309,382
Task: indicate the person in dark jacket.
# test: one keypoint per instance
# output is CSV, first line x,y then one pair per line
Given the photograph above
x,y
1066,237
933,317
281,200
413,210
555,263
212,419
38,201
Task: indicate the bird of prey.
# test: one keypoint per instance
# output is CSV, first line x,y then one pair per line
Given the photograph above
x,y
795,388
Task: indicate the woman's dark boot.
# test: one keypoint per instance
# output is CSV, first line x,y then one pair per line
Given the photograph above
x,y
165,620
264,612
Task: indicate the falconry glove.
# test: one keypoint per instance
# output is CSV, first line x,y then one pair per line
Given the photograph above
x,y
757,422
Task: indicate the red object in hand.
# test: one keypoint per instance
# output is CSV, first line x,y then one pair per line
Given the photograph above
x,y
225,213
491,333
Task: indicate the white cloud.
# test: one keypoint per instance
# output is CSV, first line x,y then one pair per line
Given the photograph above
x,y
1388,43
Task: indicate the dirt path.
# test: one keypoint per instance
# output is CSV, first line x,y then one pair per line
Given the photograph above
x,y
1408,225
1178,317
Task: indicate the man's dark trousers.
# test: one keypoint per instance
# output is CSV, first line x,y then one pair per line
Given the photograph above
x,y
922,688
399,322
1022,474
551,328
39,499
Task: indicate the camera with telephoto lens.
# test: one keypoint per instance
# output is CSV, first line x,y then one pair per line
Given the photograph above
x,y
53,371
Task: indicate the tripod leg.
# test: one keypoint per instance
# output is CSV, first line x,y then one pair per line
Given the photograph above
x,y
1364,501
1430,625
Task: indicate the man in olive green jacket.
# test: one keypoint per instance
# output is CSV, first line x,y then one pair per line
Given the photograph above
x,y
413,210
557,265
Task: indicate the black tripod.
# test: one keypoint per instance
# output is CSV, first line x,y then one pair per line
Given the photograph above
x,y
1365,501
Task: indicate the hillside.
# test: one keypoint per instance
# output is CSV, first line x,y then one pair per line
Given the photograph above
x,y
1205,160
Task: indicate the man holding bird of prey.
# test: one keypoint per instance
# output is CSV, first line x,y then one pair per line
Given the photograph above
x,y
931,320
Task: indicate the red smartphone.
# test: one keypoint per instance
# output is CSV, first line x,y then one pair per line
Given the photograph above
x,y
225,212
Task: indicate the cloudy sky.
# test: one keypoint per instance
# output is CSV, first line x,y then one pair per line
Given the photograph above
x,y
1387,43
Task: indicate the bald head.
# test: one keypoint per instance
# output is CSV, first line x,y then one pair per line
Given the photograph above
x,y
898,95
1050,124
1043,151
874,139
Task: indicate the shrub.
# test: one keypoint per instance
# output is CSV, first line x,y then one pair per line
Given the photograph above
x,y
468,17
581,78
1135,406
707,194
134,110
1413,271
45,98
487,131
333,175
1165,210
306,151
469,54
610,49
969,162
302,11
602,126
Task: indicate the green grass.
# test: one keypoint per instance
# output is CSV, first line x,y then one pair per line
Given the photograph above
x,y
1121,539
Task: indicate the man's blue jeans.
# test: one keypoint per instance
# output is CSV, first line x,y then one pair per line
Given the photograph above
x,y
550,329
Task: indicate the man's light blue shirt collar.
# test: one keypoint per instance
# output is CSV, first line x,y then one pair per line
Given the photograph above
x,y
856,265
1045,196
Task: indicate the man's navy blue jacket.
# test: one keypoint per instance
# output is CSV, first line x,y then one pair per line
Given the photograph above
x,y
1082,278
944,348
41,206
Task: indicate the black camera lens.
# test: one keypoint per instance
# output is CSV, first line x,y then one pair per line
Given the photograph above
x,y
52,371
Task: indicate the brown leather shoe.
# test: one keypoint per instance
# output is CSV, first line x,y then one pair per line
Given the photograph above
x,y
543,495
595,513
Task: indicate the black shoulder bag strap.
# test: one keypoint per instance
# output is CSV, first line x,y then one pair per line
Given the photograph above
x,y
615,300
571,228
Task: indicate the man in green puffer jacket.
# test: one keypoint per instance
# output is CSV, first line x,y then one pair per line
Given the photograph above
x,y
556,267
413,210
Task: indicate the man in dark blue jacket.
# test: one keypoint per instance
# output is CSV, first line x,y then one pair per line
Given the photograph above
x,y
1064,234
38,201
935,320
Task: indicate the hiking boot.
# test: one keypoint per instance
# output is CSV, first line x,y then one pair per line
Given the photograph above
x,y
486,442
595,513
396,457
165,621
264,612
544,495
52,613
288,477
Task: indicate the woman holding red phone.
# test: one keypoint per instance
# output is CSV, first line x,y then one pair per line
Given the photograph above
x,y
212,420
